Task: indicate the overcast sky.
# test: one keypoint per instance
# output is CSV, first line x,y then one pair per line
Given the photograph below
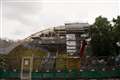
x,y
21,18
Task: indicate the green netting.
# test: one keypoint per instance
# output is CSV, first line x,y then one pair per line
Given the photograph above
x,y
65,74
9,74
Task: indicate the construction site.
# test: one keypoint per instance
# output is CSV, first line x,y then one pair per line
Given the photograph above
x,y
58,53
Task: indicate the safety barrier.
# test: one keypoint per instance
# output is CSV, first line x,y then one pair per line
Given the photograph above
x,y
65,74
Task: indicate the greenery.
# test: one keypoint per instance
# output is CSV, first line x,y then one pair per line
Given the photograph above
x,y
3,64
15,56
104,36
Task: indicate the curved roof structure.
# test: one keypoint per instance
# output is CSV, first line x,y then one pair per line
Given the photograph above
x,y
81,27
53,34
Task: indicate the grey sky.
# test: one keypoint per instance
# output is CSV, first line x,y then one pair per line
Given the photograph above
x,y
21,18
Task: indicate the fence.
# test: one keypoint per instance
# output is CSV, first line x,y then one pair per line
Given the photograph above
x,y
65,67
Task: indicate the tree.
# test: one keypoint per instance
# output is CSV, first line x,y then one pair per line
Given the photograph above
x,y
116,32
3,64
116,28
101,40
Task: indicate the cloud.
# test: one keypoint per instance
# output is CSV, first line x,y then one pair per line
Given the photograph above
x,y
19,10
18,18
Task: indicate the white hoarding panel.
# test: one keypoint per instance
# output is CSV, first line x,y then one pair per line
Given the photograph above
x,y
71,47
70,37
71,51
71,43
